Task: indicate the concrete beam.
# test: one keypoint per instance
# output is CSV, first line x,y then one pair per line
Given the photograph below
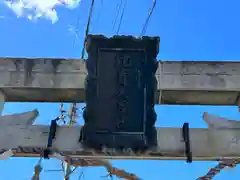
x,y
20,119
29,141
42,80
16,120
56,80
220,140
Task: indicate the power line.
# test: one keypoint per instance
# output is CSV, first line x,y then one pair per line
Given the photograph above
x,y
118,7
99,12
81,175
87,27
77,27
120,23
145,26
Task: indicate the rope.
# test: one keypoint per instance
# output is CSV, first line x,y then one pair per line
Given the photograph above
x,y
72,121
97,162
120,173
72,114
217,169
37,170
62,113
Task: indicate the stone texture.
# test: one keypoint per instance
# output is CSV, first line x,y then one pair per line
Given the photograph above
x,y
179,82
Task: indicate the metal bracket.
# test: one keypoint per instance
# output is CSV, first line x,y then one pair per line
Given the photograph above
x,y
186,139
51,136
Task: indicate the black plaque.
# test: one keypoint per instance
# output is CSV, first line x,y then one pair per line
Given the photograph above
x,y
120,89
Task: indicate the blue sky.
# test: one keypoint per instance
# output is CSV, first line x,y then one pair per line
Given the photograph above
x,y
189,30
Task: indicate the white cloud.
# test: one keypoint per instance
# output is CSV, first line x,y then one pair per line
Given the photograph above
x,y
35,9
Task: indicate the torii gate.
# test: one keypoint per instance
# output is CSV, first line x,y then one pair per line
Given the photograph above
x,y
179,82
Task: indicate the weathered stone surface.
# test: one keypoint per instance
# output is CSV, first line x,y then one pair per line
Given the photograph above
x,y
21,79
179,82
29,141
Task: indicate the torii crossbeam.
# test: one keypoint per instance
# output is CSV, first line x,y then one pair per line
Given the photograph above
x,y
179,82
26,140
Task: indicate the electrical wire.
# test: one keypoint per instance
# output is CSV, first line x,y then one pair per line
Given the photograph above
x,y
99,12
120,23
118,7
145,26
88,27
81,175
77,27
